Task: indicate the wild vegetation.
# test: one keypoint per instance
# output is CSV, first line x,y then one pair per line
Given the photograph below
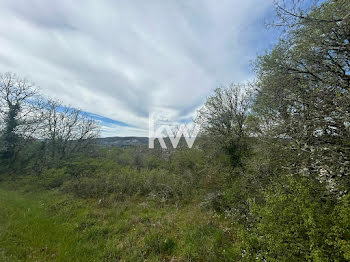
x,y
267,180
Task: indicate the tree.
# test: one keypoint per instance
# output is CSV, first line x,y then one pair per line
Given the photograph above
x,y
67,130
223,118
54,130
304,89
20,109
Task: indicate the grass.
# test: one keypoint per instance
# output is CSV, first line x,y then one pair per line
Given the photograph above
x,y
49,226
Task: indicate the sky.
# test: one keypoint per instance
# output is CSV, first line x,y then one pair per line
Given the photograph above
x,y
123,60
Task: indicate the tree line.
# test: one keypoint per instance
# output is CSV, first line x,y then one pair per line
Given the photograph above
x,y
286,136
300,96
34,125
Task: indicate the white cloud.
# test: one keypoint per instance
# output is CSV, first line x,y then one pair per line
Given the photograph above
x,y
125,59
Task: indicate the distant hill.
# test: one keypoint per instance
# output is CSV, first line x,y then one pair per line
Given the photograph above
x,y
122,141
118,141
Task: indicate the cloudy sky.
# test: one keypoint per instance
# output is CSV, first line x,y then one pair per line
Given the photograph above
x,y
121,60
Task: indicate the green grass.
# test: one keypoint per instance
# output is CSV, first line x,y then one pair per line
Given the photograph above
x,y
48,226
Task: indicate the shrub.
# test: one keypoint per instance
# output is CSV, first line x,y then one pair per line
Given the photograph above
x,y
340,233
158,184
53,178
297,224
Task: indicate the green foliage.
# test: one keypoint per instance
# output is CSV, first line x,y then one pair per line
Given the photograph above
x,y
154,162
340,231
297,224
159,244
53,178
266,182
85,167
9,137
157,184
304,89
47,226
105,178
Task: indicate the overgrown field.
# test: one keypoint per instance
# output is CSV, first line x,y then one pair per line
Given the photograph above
x,y
268,178
49,226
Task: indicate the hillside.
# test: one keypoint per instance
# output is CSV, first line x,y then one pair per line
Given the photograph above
x,y
122,141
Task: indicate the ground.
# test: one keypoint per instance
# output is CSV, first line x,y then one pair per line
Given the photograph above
x,y
51,226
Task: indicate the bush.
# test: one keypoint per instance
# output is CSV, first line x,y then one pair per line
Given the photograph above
x,y
53,178
89,166
157,184
340,233
297,224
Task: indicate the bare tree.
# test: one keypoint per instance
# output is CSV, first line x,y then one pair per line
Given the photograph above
x,y
35,128
67,130
20,112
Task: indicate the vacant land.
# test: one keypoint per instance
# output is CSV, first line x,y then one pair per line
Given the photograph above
x,y
267,179
49,226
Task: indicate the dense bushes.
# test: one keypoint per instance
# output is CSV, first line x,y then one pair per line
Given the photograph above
x,y
156,183
174,179
104,178
297,224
